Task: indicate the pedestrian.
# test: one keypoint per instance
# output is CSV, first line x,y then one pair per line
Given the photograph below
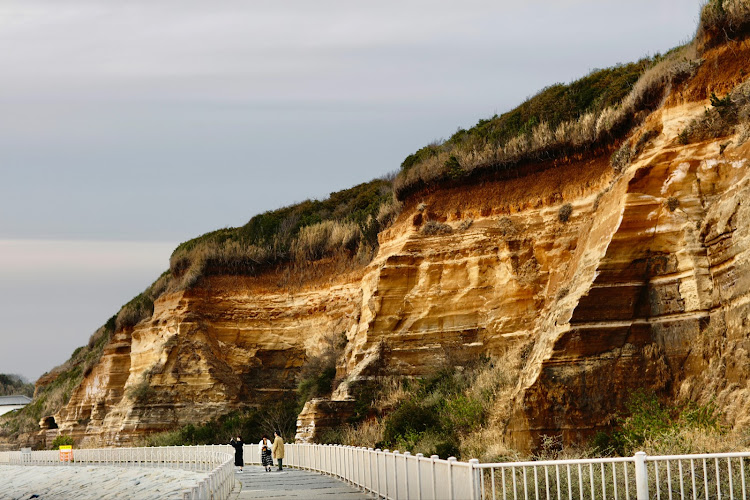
x,y
278,448
265,453
237,444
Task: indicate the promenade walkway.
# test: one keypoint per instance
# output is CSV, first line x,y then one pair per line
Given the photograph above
x,y
292,483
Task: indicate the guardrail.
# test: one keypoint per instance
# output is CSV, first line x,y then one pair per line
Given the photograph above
x,y
400,476
215,460
387,474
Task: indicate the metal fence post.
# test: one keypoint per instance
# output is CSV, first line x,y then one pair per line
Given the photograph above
x,y
641,476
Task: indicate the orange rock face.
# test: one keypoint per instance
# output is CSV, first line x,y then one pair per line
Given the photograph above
x,y
617,281
204,352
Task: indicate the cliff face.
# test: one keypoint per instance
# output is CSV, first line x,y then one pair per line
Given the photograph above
x,y
204,352
615,280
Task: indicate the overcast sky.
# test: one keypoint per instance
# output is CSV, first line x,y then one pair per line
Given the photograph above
x,y
128,127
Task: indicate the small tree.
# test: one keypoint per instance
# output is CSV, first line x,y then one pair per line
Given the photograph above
x,y
62,440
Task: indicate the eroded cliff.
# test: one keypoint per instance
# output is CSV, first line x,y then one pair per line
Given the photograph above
x,y
611,278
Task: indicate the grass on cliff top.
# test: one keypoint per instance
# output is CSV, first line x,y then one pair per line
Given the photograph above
x,y
346,222
723,20
593,112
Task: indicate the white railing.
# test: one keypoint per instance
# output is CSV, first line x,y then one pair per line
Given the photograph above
x,y
387,474
716,475
400,476
643,477
217,461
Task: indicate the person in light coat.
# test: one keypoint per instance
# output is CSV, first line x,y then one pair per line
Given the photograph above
x,y
278,449
265,453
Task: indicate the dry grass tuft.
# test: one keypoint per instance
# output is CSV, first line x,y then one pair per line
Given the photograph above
x,y
728,115
565,212
723,20
433,227
465,224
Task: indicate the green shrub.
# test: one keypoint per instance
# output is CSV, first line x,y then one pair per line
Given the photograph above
x,y
433,227
142,392
318,372
717,102
248,423
303,232
726,116
672,203
62,440
684,137
650,421
723,20
411,419
464,413
437,411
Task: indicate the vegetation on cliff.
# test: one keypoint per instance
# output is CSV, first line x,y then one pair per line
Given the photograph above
x,y
346,222
723,20
727,115
561,120
593,112
456,411
11,385
249,423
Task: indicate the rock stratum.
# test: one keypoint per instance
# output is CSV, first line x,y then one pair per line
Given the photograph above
x,y
612,280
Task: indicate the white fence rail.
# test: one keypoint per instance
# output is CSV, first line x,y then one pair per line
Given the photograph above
x,y
401,476
217,461
391,475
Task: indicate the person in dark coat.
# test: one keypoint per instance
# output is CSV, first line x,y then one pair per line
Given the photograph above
x,y
237,444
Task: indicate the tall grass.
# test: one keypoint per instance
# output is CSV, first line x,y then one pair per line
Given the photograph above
x,y
561,120
723,20
348,222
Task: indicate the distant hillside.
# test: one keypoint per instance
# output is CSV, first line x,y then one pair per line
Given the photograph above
x,y
13,385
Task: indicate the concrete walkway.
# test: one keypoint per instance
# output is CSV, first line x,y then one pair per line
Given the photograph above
x,y
292,483
96,482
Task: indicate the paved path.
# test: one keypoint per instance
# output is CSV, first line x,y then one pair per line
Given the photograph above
x,y
292,483
82,482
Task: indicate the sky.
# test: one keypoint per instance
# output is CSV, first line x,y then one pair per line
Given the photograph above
x,y
129,127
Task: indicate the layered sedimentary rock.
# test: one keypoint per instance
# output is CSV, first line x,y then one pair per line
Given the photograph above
x,y
204,352
614,280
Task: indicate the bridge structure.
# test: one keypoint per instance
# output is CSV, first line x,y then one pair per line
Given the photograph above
x,y
399,476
